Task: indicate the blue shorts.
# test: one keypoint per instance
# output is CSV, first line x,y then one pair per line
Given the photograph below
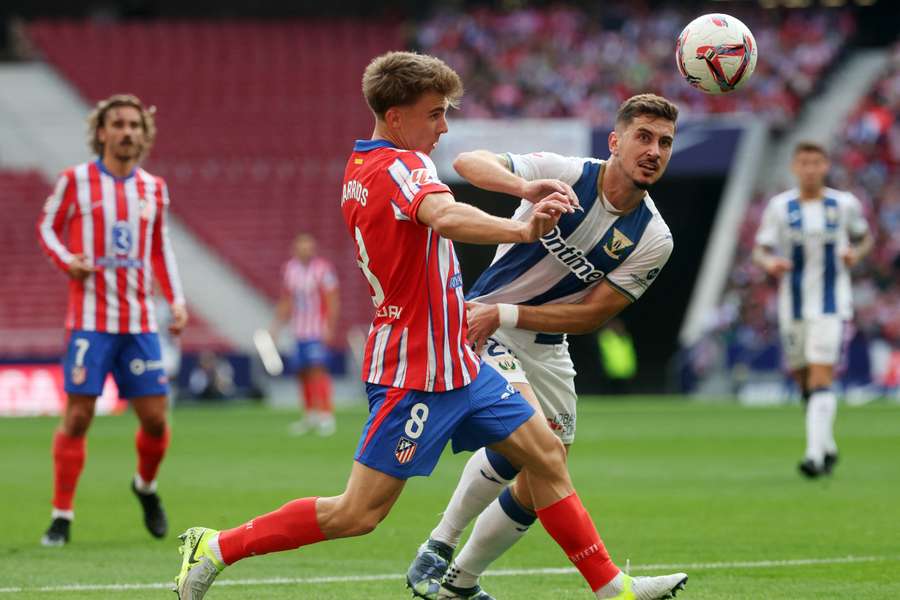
x,y
407,430
310,353
134,359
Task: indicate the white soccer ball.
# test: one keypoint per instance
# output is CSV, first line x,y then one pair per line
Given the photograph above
x,y
716,53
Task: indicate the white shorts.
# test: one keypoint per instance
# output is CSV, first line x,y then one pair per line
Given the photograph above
x,y
815,341
543,362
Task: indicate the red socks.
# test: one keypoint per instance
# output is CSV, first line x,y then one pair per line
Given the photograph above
x,y
321,385
150,451
309,404
317,394
293,525
569,523
68,460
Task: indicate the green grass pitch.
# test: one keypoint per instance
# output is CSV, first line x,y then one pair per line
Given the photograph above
x,y
709,489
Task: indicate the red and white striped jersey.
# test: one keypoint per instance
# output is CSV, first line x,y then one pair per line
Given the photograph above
x,y
308,283
418,336
119,224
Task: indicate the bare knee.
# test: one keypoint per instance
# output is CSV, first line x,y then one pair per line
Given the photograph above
x,y
77,417
154,426
339,518
550,460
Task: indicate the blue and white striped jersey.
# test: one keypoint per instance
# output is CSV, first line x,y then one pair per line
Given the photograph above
x,y
813,235
585,248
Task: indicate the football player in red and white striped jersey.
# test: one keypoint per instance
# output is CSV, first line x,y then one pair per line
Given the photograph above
x,y
310,302
105,226
425,385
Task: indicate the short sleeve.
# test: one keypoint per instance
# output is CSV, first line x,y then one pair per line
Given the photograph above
x,y
546,165
635,275
857,226
329,278
414,176
767,234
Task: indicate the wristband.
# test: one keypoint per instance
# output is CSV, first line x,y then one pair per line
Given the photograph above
x,y
509,315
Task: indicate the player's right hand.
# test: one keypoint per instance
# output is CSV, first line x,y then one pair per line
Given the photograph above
x,y
80,267
777,266
537,190
546,215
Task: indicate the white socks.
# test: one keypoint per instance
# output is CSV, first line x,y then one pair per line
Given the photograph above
x,y
68,515
820,415
497,529
213,544
481,482
613,588
144,487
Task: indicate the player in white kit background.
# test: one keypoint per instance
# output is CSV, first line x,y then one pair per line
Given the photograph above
x,y
809,239
585,271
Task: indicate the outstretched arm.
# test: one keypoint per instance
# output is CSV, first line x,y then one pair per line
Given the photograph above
x,y
465,223
493,172
600,305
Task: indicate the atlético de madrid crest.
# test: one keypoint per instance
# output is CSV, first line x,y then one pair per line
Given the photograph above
x,y
405,451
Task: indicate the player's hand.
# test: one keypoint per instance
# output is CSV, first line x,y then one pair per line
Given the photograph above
x,y
546,215
179,319
537,190
850,257
80,267
777,266
484,320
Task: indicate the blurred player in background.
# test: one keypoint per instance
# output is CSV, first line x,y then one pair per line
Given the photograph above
x,y
310,302
425,384
809,239
594,264
112,215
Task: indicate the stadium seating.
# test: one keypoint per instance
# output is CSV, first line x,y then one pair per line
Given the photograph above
x,y
565,61
33,292
255,123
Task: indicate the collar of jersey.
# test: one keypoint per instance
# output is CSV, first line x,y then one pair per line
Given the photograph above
x,y
103,169
367,145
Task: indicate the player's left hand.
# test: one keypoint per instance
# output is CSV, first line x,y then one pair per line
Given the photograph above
x,y
179,319
850,257
484,320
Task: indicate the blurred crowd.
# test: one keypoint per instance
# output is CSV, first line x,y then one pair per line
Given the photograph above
x,y
563,61
865,161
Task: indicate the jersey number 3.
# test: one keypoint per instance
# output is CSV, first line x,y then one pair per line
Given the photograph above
x,y
363,261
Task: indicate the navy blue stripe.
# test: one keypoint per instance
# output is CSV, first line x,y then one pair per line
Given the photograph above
x,y
514,510
513,264
631,226
503,467
367,145
831,224
795,222
550,339
522,257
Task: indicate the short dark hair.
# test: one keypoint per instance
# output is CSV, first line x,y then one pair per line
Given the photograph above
x,y
400,79
810,146
646,104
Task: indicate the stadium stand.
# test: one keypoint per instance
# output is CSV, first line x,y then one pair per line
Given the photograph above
x,y
564,61
255,120
33,292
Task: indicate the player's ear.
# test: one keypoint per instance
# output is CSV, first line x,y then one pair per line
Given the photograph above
x,y
392,117
613,143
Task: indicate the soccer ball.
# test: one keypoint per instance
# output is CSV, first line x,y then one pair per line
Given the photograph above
x,y
716,53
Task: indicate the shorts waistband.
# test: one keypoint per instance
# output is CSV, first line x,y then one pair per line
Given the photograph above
x,y
550,339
